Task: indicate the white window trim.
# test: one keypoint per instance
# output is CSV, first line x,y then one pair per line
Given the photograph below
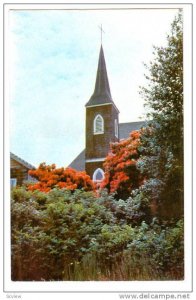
x,y
116,127
89,106
95,159
94,125
13,182
95,174
97,133
98,105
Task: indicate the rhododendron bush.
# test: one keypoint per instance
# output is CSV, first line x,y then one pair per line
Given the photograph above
x,y
49,176
121,174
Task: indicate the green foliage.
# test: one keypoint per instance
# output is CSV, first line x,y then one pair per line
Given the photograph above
x,y
132,211
27,238
75,235
162,142
162,244
63,235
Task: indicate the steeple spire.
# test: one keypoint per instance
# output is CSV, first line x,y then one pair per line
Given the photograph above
x,y
102,84
102,31
102,94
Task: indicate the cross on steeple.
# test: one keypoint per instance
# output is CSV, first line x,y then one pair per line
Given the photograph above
x,y
102,31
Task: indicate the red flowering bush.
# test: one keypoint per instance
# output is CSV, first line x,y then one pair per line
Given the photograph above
x,y
121,174
49,177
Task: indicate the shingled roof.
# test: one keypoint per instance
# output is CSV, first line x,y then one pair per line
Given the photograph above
x,y
124,130
102,94
79,162
21,161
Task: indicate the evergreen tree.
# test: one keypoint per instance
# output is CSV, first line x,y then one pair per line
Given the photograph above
x,y
162,142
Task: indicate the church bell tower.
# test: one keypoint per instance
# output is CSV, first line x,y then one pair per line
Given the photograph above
x,y
102,123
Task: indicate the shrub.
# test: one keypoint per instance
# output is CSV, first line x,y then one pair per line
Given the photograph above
x,y
61,235
121,174
50,177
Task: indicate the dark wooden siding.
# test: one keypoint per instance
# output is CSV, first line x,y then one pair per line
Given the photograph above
x,y
92,166
18,171
98,145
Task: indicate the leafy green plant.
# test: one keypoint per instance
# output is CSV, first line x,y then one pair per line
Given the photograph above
x,y
161,144
63,235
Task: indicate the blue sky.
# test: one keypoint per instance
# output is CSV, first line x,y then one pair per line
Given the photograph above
x,y
54,57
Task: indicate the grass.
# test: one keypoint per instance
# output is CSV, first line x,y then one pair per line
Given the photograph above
x,y
125,268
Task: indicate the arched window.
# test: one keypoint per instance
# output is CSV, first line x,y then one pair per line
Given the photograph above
x,y
98,125
98,175
116,127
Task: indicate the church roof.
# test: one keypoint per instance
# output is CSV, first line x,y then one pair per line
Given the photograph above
x,y
102,94
79,162
124,130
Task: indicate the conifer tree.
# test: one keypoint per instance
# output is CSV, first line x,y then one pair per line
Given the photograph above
x,y
162,143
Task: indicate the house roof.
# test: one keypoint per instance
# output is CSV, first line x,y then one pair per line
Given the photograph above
x,y
21,161
124,130
102,94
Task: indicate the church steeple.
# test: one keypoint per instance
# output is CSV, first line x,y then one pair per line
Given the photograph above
x,y
102,94
101,123
102,87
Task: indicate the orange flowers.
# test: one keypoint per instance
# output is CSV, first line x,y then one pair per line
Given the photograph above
x,y
49,177
121,174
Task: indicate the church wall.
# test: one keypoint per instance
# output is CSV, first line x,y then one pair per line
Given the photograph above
x,y
100,103
97,145
92,166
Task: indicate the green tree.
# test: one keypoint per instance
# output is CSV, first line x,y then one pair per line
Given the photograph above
x,y
162,142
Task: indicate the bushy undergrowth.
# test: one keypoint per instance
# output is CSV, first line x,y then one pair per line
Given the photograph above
x,y
62,235
70,234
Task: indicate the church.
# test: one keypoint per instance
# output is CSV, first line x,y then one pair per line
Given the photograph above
x,y
102,126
